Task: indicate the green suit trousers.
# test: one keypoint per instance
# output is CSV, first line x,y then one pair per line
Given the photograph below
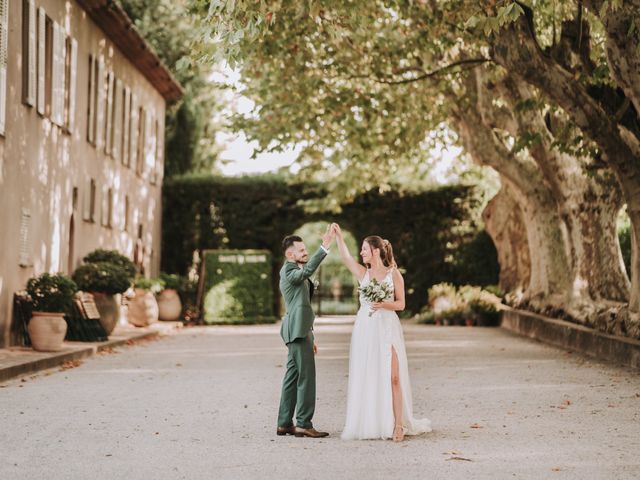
x,y
299,384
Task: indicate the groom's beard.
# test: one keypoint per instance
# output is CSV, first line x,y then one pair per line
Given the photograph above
x,y
303,260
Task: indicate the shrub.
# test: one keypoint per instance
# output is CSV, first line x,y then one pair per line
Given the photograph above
x,y
237,287
173,281
104,277
154,285
455,306
51,293
114,257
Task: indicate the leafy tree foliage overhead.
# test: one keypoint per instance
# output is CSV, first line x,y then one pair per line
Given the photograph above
x,y
192,121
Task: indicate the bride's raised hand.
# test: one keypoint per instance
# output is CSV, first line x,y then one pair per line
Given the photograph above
x,y
337,230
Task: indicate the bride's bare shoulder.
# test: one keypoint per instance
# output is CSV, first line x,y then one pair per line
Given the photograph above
x,y
395,272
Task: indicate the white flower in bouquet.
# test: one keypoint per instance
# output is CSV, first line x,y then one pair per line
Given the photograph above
x,y
375,292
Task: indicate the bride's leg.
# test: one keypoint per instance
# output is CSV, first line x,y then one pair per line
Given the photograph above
x,y
396,391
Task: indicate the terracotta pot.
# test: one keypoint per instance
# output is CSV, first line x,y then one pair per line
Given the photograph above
x,y
109,309
169,305
47,331
143,308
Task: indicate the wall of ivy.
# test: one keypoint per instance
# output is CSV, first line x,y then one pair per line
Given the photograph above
x,y
435,234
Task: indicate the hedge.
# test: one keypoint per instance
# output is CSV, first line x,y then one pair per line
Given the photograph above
x,y
435,234
237,287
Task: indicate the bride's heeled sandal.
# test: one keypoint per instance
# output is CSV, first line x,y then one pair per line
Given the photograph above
x,y
398,433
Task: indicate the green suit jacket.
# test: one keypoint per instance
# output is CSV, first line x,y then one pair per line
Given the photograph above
x,y
299,316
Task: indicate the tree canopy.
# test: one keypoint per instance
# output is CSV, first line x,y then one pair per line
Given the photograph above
x,y
546,93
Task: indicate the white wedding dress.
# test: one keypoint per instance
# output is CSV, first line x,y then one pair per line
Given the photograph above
x,y
369,398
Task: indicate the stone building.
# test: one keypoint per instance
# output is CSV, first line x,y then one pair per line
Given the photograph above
x,y
82,104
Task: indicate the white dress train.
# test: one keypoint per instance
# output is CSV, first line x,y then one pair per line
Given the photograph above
x,y
369,398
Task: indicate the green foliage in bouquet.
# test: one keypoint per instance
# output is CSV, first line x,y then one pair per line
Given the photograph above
x,y
51,293
104,277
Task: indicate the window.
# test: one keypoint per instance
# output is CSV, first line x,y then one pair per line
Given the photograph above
x,y
88,213
127,208
4,28
71,68
133,133
118,107
29,52
91,106
108,137
107,208
58,80
100,94
41,54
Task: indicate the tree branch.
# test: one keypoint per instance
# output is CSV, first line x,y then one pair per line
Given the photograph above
x,y
471,61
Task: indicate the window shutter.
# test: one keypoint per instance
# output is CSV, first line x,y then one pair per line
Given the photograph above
x,y
104,206
72,48
56,75
126,121
89,200
100,99
117,120
159,171
140,155
42,36
4,27
108,142
29,33
153,148
91,104
133,134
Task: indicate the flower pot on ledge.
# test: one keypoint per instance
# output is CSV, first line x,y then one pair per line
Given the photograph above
x,y
47,331
109,308
143,308
169,305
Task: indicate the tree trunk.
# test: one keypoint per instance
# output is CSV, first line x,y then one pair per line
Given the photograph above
x,y
504,221
588,203
516,49
549,280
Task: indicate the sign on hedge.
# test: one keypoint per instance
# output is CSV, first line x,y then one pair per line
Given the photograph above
x,y
237,286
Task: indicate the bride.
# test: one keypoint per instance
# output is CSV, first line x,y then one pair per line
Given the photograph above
x,y
379,403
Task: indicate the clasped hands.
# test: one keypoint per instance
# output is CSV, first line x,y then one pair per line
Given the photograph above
x,y
333,231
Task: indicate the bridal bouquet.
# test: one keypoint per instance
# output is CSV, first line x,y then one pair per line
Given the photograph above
x,y
375,292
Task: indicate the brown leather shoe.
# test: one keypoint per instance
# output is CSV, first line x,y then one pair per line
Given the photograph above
x,y
309,432
286,430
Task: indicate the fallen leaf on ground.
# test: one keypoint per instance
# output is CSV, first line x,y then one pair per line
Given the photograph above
x,y
476,425
460,458
70,364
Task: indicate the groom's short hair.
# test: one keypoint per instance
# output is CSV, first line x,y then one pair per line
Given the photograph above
x,y
288,241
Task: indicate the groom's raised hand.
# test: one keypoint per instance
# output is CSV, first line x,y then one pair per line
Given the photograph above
x,y
328,237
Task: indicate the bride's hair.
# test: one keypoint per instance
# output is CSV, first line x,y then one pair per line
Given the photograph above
x,y
386,250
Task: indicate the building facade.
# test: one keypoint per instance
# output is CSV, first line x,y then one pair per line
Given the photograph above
x,y
82,105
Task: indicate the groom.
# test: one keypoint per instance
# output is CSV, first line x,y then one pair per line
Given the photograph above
x,y
299,384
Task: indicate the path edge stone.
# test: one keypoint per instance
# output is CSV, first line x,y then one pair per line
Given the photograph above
x,y
570,336
56,359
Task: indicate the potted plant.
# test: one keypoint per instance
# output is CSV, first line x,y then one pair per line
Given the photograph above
x,y
51,297
106,281
169,303
115,258
143,307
